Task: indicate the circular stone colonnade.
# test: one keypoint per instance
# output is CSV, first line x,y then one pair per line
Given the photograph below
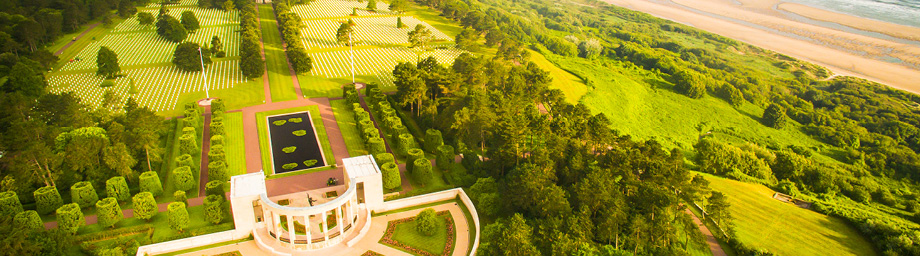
x,y
314,220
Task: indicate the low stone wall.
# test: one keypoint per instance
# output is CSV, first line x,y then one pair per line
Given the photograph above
x,y
435,197
189,243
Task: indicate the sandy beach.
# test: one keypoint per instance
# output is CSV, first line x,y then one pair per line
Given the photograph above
x,y
842,52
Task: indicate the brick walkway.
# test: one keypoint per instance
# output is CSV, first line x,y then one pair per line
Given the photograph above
x,y
205,148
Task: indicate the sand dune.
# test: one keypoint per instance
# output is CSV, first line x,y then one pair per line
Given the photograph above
x,y
842,52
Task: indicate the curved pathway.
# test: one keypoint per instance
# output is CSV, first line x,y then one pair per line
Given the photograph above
x,y
710,239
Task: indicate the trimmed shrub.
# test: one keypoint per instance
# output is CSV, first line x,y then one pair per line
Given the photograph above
x,y
399,128
214,187
117,187
9,204
364,124
373,91
376,145
433,140
150,182
145,207
217,140
421,171
217,128
412,155
390,172
218,171
217,154
47,199
189,130
188,144
70,218
180,196
213,208
384,158
426,222
178,216
183,179
392,124
191,121
188,161
108,212
406,142
28,220
445,157
83,194
217,105
370,133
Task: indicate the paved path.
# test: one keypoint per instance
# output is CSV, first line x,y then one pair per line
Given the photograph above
x,y
710,239
205,148
266,87
403,174
129,213
91,27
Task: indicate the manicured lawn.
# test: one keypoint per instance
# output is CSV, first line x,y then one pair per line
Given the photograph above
x,y
407,233
233,143
345,117
244,93
264,146
784,229
279,75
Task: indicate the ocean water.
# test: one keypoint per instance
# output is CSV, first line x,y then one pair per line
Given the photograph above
x,y
904,12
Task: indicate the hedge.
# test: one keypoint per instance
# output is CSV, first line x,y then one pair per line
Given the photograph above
x,y
426,222
390,172
178,216
117,187
217,128
433,140
145,207
421,171
180,196
83,194
370,133
217,153
187,160
9,204
70,218
108,212
217,170
215,187
445,157
384,158
376,146
213,208
364,124
217,105
188,144
183,179
190,121
47,199
150,182
28,220
406,142
217,140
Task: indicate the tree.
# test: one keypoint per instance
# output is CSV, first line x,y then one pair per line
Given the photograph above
x,y
390,173
145,18
420,36
118,158
47,199
433,140
732,95
178,216
774,116
228,5
717,210
83,194
398,6
445,157
426,221
343,34
145,207
170,28
189,21
690,83
216,46
108,212
70,218
399,23
107,62
590,48
9,204
300,61
28,221
508,236
205,4
467,39
421,171
183,179
188,58
372,5
126,8
150,182
24,80
213,208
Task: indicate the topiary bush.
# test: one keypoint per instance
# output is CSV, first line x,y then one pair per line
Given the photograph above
x,y
145,207
213,208
70,218
406,142
217,128
426,222
150,182
421,171
83,194
217,154
364,124
214,187
117,187
108,212
28,220
180,196
9,204
183,179
188,144
376,146
390,173
370,133
412,155
384,158
217,140
178,216
218,171
445,157
217,105
188,161
433,140
47,199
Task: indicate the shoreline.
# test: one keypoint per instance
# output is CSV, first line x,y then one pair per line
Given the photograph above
x,y
860,23
834,49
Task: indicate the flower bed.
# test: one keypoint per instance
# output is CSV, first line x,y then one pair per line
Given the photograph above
x,y
448,245
371,253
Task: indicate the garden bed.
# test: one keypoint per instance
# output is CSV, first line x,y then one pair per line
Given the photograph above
x,y
294,143
401,234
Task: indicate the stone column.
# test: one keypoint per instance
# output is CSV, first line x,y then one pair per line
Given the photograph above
x,y
325,228
291,230
307,224
338,216
276,225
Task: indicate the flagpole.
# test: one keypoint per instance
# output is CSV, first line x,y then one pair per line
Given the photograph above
x,y
351,54
203,77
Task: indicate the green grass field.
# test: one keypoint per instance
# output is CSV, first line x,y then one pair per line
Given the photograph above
x,y
345,117
233,143
279,75
407,234
784,229
170,163
265,148
571,85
